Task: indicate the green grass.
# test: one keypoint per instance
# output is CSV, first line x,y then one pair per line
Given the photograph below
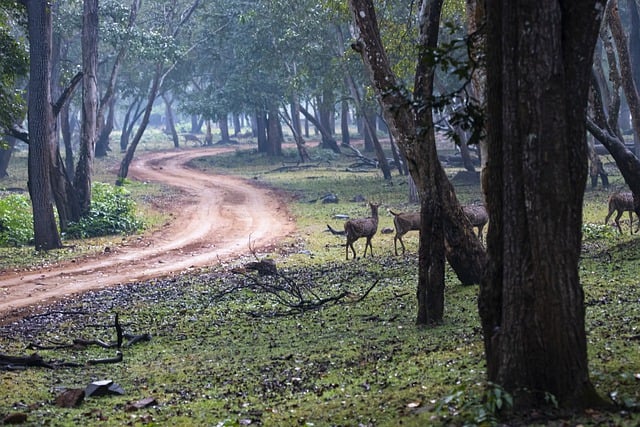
x,y
219,358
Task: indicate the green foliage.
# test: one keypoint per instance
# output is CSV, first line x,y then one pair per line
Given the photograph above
x,y
16,223
112,212
475,404
594,232
13,64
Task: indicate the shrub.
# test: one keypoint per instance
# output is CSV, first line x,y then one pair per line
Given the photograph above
x,y
16,223
112,212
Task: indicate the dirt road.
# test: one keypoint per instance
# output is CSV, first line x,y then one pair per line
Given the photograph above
x,y
217,220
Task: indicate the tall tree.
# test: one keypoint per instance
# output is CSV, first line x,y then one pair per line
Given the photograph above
x,y
88,130
409,117
41,125
539,57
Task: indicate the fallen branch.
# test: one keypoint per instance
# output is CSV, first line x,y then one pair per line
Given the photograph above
x,y
117,359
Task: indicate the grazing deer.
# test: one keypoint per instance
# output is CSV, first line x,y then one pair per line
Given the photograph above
x,y
621,202
404,222
477,216
362,227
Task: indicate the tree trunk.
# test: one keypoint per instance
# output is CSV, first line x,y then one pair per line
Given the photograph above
x,y
465,253
344,122
223,124
170,122
84,168
531,300
274,140
5,154
128,157
104,130
628,83
327,139
261,131
476,19
41,125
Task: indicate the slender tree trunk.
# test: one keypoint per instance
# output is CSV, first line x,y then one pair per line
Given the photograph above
x,y
84,168
628,83
128,158
261,132
327,139
344,123
104,132
170,122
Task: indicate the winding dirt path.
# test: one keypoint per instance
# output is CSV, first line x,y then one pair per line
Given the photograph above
x,y
218,217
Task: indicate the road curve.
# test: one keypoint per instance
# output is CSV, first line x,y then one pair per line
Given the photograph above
x,y
223,215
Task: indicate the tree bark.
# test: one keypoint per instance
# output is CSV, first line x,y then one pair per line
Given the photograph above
x,y
531,300
170,122
628,83
128,157
464,251
41,125
88,132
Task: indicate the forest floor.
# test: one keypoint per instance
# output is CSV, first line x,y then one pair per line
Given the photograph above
x,y
215,218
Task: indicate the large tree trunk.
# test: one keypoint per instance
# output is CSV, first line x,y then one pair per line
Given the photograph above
x,y
223,124
274,134
84,168
41,125
531,300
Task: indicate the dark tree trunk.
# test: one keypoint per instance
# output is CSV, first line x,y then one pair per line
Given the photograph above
x,y
261,132
41,125
274,133
531,301
628,84
170,121
223,124
84,168
102,144
327,139
344,123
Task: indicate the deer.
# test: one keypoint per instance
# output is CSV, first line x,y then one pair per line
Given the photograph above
x,y
477,216
362,227
403,223
621,203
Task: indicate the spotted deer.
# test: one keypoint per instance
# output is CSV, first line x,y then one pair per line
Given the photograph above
x,y
403,223
621,203
362,227
478,217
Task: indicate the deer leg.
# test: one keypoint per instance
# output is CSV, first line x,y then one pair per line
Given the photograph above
x,y
631,222
606,220
395,243
370,247
617,220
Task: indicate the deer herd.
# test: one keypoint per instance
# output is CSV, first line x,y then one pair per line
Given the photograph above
x,y
477,216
